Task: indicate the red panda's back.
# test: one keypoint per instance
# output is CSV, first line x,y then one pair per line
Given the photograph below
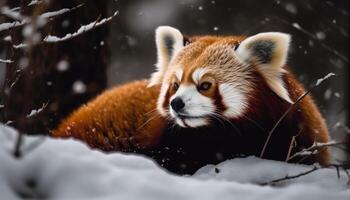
x,y
121,118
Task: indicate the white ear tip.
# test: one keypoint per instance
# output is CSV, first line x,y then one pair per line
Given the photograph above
x,y
284,37
167,30
277,35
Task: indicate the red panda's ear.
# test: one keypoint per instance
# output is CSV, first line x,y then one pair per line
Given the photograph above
x,y
168,41
268,52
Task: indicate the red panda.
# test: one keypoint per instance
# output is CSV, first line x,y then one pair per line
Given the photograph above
x,y
212,98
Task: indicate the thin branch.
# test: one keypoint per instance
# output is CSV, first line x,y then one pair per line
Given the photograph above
x,y
288,177
80,31
292,143
10,25
17,153
319,81
34,2
314,149
35,112
49,15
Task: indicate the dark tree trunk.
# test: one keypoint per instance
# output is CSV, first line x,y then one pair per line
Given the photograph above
x,y
62,75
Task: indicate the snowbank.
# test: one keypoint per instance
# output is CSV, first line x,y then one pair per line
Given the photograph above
x,y
67,169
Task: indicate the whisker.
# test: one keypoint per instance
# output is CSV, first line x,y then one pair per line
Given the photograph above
x,y
151,112
149,120
217,118
230,122
255,123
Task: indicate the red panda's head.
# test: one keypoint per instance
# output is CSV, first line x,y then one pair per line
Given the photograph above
x,y
214,77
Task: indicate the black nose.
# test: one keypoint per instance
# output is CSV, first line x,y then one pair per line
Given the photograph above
x,y
177,104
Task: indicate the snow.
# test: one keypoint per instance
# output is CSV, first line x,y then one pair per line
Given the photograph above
x,y
34,2
37,111
55,13
328,94
9,25
296,25
321,35
291,8
67,169
20,46
6,61
320,80
62,66
79,87
81,30
12,13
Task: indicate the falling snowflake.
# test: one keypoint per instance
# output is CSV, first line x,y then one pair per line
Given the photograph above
x,y
62,66
79,87
291,8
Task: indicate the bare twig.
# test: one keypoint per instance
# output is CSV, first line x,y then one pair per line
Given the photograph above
x,y
288,177
292,143
318,82
314,149
347,173
17,153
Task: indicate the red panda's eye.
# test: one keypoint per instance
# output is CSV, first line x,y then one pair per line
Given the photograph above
x,y
204,86
175,86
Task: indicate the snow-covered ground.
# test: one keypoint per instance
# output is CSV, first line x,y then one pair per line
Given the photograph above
x,y
68,169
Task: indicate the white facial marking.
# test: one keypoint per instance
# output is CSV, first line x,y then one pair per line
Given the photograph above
x,y
178,74
180,122
196,105
234,100
198,74
196,122
161,99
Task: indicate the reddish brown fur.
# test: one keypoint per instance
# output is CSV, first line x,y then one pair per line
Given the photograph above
x,y
117,119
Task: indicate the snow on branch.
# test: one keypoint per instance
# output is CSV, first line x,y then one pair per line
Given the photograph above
x,y
11,13
10,25
81,30
62,11
6,61
35,112
34,2
314,149
21,20
320,80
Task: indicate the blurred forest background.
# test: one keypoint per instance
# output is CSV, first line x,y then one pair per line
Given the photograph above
x,y
53,78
